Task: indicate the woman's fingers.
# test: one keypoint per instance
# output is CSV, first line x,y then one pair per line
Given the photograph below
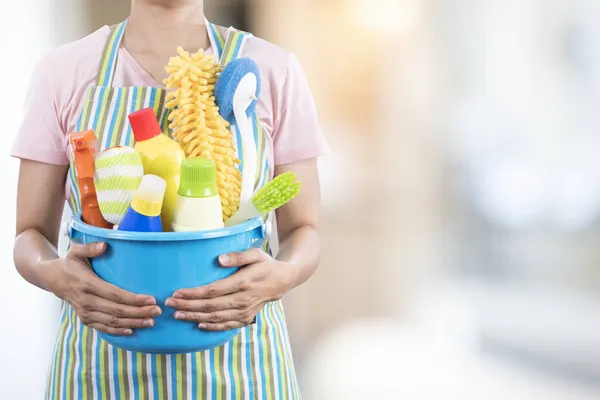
x,y
216,317
103,306
111,331
91,317
117,295
237,282
83,252
95,303
251,256
219,317
223,313
236,301
225,326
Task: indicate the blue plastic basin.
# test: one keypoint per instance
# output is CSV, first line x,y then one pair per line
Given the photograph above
x,y
157,264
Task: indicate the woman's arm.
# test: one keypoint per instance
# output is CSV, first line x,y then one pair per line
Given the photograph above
x,y
40,201
298,223
99,305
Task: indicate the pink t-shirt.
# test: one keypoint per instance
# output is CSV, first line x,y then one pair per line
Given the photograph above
x,y
63,77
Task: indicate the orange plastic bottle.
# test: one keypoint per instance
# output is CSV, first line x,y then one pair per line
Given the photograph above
x,y
83,146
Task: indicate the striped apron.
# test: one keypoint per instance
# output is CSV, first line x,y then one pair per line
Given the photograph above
x,y
256,364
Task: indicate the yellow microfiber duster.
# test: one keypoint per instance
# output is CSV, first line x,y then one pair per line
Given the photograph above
x,y
197,125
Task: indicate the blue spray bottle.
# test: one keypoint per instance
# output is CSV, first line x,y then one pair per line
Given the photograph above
x,y
143,214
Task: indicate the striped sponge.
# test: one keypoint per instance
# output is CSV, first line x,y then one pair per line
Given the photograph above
x,y
119,171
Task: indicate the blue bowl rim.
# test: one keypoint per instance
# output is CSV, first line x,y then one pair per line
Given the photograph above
x,y
78,225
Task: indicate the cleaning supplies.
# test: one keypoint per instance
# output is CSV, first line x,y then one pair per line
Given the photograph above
x,y
273,195
161,156
143,214
83,151
197,124
198,204
230,80
236,92
119,171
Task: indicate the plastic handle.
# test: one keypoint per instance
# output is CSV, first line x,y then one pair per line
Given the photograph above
x,y
74,235
259,241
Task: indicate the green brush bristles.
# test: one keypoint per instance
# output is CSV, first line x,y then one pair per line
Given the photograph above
x,y
277,192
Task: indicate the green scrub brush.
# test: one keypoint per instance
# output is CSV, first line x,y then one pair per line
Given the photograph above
x,y
119,171
273,195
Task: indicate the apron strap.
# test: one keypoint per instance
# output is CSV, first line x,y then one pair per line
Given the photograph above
x,y
230,51
233,47
108,63
226,49
217,41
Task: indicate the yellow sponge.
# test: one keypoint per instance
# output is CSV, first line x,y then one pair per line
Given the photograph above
x,y
197,125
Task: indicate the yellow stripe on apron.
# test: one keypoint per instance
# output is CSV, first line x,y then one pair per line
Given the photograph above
x,y
256,364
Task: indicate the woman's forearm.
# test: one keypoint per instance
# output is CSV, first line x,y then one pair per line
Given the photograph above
x,y
40,202
301,249
30,251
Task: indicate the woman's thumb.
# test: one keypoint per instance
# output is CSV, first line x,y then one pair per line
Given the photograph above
x,y
89,250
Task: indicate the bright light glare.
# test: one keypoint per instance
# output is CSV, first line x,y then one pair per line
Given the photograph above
x,y
385,14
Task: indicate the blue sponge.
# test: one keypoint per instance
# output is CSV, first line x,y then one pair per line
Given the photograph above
x,y
228,82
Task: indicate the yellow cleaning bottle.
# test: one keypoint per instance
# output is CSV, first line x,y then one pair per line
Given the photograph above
x,y
161,156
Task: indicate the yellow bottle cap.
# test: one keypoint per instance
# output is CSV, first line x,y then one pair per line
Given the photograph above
x,y
145,207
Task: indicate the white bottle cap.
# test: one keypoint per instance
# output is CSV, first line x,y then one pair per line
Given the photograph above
x,y
152,188
149,195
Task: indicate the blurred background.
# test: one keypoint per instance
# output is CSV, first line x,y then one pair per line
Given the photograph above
x,y
461,203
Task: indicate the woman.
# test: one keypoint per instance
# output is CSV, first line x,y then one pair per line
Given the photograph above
x,y
90,84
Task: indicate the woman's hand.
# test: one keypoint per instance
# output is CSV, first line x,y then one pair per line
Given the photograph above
x,y
234,301
98,304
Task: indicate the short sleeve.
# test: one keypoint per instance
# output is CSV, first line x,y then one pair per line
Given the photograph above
x,y
41,136
297,134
